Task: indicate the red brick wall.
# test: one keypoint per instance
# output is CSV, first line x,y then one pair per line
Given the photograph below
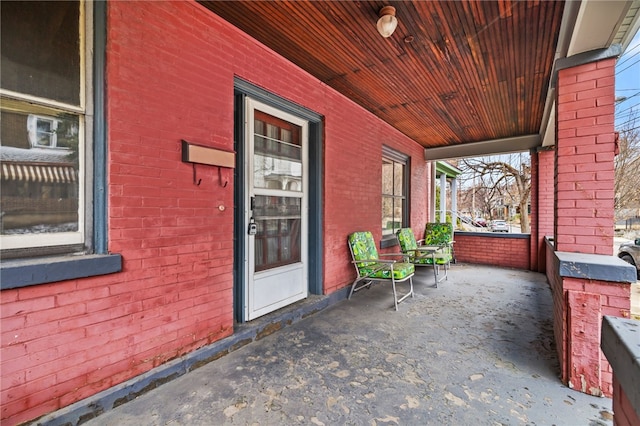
x,y
545,201
583,349
352,188
492,249
584,158
559,309
170,71
585,323
578,308
624,412
534,242
546,161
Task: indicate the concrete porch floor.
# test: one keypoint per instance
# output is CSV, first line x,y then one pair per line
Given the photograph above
x,y
477,350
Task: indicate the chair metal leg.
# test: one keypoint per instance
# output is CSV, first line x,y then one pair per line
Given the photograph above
x,y
446,275
395,294
404,296
435,268
367,283
411,284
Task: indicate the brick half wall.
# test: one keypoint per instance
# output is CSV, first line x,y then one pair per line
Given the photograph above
x,y
559,317
586,287
506,250
620,345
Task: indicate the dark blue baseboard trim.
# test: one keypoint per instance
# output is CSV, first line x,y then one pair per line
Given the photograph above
x,y
244,334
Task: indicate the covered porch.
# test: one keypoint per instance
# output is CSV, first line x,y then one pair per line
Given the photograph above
x,y
479,348
456,79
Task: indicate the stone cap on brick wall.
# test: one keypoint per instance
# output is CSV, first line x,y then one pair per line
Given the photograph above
x,y
621,345
595,267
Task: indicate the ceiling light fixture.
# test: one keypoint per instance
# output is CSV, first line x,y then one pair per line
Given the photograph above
x,y
388,22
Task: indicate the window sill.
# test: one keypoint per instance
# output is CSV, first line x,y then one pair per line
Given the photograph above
x,y
28,272
388,241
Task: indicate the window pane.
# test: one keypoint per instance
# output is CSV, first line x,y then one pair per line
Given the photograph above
x,y
387,215
398,179
387,177
39,173
40,48
398,213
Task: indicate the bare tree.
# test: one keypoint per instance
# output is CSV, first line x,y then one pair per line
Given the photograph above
x,y
627,168
507,177
477,199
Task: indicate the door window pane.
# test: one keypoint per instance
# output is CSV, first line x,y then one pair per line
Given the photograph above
x,y
278,239
277,160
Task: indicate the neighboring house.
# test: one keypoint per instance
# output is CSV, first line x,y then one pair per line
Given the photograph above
x,y
149,254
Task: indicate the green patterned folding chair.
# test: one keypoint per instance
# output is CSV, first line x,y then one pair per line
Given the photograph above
x,y
440,235
418,253
370,268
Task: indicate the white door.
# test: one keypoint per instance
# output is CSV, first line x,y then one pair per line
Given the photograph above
x,y
276,246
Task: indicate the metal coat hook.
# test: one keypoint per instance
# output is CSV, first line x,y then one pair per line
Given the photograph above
x,y
195,180
200,154
226,181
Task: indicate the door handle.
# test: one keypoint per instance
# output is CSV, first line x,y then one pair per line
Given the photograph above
x,y
253,227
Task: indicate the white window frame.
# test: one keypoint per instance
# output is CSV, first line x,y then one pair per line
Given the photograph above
x,y
85,130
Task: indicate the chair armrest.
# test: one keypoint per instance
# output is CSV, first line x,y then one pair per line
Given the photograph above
x,y
390,254
373,261
447,244
424,248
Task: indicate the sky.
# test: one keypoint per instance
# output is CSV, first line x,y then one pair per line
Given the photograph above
x,y
628,84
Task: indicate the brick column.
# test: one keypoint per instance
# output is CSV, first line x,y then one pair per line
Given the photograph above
x,y
533,243
591,281
543,216
584,158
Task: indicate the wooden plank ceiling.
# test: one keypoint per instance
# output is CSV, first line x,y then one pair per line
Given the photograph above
x,y
453,71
